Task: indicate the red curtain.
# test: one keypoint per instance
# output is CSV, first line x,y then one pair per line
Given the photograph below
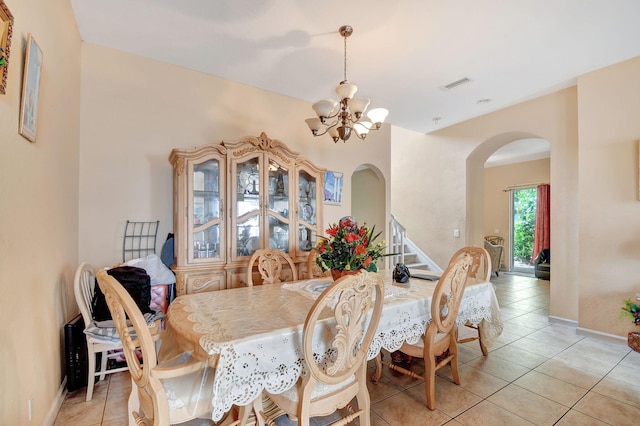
x,y
541,234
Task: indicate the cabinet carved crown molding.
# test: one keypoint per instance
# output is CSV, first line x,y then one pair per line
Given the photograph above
x,y
266,144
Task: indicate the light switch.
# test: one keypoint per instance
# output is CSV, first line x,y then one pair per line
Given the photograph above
x,y
496,231
456,233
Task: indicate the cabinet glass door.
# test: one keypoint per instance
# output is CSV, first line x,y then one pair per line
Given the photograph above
x,y
307,214
248,204
206,221
278,214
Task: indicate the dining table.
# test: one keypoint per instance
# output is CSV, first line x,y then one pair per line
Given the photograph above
x,y
251,337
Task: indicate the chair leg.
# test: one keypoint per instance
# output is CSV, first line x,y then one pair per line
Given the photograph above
x,y
430,381
303,413
133,403
91,371
257,407
453,350
103,364
483,347
376,376
364,406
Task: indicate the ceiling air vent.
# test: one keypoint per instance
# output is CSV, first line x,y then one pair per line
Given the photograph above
x,y
456,83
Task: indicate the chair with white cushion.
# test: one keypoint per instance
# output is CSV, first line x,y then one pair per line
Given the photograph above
x,y
438,345
335,350
100,340
171,392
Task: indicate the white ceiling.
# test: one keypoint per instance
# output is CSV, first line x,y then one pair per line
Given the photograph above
x,y
401,54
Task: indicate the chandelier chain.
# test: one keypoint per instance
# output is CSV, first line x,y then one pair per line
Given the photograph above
x,y
345,58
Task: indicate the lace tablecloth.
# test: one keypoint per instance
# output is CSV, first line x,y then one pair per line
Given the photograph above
x,y
253,336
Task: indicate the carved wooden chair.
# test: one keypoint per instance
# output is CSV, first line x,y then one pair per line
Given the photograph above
x,y
440,338
270,263
313,270
480,270
337,372
156,384
481,262
103,340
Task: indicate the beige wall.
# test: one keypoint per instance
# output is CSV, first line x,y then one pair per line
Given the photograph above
x,y
38,213
438,183
609,251
136,110
496,200
428,191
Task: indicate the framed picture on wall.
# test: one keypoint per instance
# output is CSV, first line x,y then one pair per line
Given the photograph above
x,y
333,188
6,31
30,90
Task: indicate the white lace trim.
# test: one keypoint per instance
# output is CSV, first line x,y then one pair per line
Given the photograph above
x,y
270,355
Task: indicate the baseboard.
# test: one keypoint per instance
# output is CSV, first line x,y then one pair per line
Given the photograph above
x,y
50,419
563,321
587,331
602,336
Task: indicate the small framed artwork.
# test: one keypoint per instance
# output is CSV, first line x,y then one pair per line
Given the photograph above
x,y
30,90
6,31
333,188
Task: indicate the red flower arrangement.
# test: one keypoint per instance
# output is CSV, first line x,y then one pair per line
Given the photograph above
x,y
350,247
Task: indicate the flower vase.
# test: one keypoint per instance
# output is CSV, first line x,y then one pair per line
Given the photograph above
x,y
337,273
633,340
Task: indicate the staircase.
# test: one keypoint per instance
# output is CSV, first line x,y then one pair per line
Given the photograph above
x,y
406,251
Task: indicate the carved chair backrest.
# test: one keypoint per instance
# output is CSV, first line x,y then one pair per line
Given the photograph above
x,y
313,269
448,295
481,262
270,263
351,327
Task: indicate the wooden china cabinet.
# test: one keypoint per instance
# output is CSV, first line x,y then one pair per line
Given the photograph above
x,y
233,198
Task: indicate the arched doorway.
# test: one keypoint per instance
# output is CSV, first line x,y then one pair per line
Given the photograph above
x,y
479,201
511,175
368,198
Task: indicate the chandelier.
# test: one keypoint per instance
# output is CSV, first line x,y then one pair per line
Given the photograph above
x,y
342,118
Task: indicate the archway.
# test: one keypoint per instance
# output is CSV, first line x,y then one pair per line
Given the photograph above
x,y
475,182
368,198
511,176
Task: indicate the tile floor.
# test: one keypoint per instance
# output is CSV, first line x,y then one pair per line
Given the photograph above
x,y
536,373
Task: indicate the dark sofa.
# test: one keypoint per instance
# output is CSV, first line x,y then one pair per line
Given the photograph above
x,y
543,265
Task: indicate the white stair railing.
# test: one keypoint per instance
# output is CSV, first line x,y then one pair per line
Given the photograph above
x,y
401,245
398,235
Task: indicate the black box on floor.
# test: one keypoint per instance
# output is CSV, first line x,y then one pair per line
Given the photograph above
x,y
75,345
